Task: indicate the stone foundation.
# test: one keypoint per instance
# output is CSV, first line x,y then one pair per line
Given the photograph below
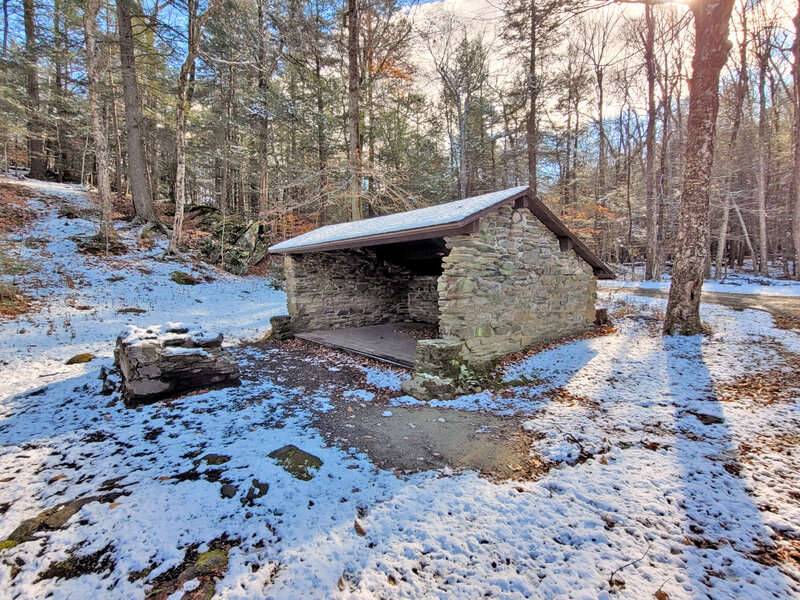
x,y
439,357
281,328
156,365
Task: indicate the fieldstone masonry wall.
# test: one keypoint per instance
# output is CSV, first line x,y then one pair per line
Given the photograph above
x,y
509,286
344,288
423,299
157,364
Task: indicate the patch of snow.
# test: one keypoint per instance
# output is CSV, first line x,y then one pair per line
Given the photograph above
x,y
177,350
384,378
386,413
362,395
735,283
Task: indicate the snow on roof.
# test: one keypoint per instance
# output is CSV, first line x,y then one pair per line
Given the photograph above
x,y
441,214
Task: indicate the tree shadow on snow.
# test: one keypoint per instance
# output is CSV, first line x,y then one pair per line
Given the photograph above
x,y
723,525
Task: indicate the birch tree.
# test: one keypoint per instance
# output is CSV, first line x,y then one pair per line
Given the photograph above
x,y
711,24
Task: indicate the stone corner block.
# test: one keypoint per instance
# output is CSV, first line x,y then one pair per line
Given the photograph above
x,y
439,357
281,327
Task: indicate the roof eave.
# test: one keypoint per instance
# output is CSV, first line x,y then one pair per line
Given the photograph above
x,y
463,226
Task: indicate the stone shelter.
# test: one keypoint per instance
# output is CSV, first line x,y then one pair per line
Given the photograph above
x,y
460,283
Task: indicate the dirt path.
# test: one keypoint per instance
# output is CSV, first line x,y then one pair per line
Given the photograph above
x,y
779,306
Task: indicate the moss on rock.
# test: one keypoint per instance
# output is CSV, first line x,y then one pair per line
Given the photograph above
x,y
79,359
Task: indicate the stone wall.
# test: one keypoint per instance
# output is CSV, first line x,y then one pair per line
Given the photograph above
x,y
423,299
344,288
509,286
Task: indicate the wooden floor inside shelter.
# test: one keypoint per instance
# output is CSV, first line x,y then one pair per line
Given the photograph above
x,y
389,343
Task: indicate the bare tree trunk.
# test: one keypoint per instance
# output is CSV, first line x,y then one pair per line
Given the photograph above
x,y
745,232
796,141
722,240
651,267
119,164
532,130
5,30
194,30
462,109
263,147
35,127
137,166
98,126
763,263
601,131
711,22
352,110
322,147
741,91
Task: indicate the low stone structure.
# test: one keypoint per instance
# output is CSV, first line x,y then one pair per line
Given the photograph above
x,y
156,364
496,274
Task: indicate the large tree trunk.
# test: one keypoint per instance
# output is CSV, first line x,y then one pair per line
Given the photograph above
x,y
763,262
98,127
741,91
532,132
119,165
137,166
651,267
462,108
796,141
35,128
263,146
353,89
711,22
194,30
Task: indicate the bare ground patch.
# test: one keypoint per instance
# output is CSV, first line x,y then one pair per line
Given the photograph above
x,y
412,439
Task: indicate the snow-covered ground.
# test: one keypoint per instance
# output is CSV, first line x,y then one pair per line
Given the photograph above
x,y
734,283
657,480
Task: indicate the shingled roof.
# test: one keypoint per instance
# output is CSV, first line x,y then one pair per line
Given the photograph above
x,y
451,218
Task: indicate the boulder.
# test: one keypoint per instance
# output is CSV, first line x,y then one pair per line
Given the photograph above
x,y
165,361
425,387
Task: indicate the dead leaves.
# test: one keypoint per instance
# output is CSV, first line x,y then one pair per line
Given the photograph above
x,y
767,387
787,322
359,528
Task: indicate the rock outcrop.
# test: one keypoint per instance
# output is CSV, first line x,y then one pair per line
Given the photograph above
x,y
163,362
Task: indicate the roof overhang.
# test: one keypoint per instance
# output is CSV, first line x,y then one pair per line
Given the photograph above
x,y
523,199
